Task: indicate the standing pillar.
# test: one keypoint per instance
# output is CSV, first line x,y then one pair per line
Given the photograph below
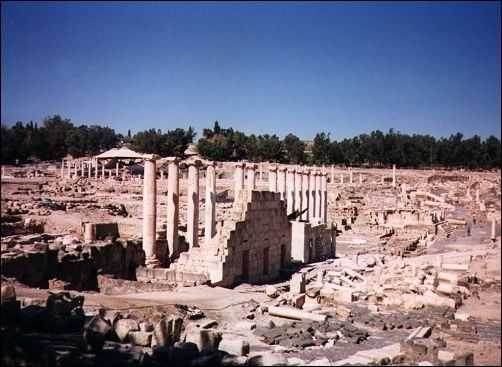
x,y
350,175
318,190
251,177
360,179
96,166
89,169
103,171
149,212
238,179
281,182
341,178
298,190
210,210
393,175
62,169
193,205
117,169
312,207
493,236
172,208
161,175
305,194
290,190
324,198
477,195
332,174
75,169
272,178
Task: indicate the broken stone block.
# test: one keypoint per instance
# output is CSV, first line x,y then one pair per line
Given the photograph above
x,y
206,340
124,326
446,358
297,283
464,359
462,316
95,333
162,332
208,324
141,338
146,326
298,300
271,291
313,292
234,345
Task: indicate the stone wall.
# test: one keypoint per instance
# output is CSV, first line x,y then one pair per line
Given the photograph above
x,y
312,243
251,247
74,263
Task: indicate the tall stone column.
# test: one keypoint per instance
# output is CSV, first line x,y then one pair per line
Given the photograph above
x,y
332,174
103,175
298,190
89,169
318,199
305,194
172,208
272,178
117,169
238,179
477,195
210,210
290,190
341,178
360,179
493,236
68,165
193,205
324,198
75,169
62,168
312,207
96,166
251,176
150,212
281,182
393,175
350,176
161,175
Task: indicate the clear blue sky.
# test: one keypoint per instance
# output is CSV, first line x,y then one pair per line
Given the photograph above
x,y
343,68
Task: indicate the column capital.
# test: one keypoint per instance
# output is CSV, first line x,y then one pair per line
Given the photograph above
x,y
251,166
240,165
196,163
150,157
172,159
272,167
210,164
282,169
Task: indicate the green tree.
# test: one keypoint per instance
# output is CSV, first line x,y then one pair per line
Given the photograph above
x,y
294,149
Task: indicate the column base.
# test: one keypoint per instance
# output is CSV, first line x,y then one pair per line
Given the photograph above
x,y
152,262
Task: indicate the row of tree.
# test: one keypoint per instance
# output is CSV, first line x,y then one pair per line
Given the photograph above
x,y
58,137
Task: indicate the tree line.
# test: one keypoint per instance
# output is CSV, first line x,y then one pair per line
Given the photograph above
x,y
58,137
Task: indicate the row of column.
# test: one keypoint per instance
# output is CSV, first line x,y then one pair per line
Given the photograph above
x,y
84,169
304,190
149,207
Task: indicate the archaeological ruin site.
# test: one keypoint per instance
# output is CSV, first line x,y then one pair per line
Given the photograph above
x,y
126,259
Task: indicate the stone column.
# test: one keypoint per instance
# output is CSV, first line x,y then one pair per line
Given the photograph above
x,y
89,166
312,206
62,169
298,190
332,174
477,195
161,175
360,179
318,201
493,236
75,169
324,198
281,182
68,165
172,208
103,175
96,166
117,169
290,190
341,178
350,176
305,194
238,179
251,177
272,178
393,175
210,210
193,205
150,212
